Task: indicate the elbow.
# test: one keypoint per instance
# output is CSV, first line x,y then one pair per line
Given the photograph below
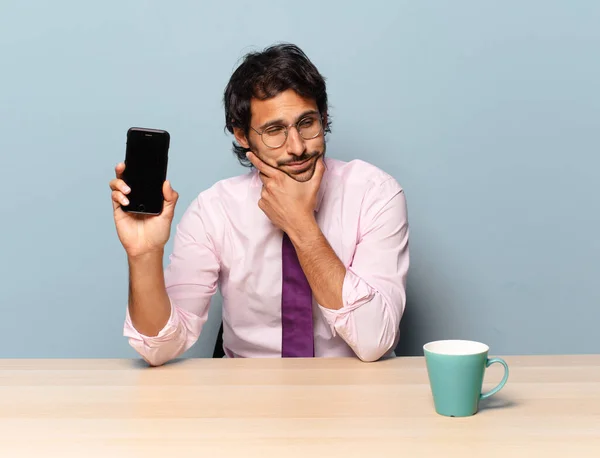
x,y
157,352
369,352
155,360
153,356
382,344
372,353
369,356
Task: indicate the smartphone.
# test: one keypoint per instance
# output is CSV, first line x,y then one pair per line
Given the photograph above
x,y
146,159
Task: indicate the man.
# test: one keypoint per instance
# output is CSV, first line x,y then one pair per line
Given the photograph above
x,y
310,253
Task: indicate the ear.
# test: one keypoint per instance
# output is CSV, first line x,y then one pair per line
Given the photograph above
x,y
240,137
325,120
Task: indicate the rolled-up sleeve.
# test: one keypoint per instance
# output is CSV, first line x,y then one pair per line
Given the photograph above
x,y
374,287
191,279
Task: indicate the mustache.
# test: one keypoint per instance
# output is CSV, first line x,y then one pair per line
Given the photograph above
x,y
302,158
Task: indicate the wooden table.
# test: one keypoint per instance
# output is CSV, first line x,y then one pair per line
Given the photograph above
x,y
291,408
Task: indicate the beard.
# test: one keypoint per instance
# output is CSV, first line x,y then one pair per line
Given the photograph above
x,y
303,175
306,173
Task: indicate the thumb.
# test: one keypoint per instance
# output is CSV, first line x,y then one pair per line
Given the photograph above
x,y
169,193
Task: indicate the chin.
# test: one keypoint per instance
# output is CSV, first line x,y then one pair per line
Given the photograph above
x,y
307,173
303,175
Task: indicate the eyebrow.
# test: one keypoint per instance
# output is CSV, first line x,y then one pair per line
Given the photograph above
x,y
281,122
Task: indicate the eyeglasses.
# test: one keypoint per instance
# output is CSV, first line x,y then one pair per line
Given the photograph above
x,y
275,136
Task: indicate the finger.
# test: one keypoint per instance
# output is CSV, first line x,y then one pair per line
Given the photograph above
x,y
169,193
265,179
261,166
119,185
319,170
269,187
119,169
119,199
262,205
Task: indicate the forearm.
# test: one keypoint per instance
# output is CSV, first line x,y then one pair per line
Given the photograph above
x,y
323,269
149,305
372,318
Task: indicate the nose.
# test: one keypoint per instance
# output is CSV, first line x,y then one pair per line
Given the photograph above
x,y
295,145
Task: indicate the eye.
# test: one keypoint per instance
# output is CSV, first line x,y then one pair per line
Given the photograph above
x,y
273,131
306,122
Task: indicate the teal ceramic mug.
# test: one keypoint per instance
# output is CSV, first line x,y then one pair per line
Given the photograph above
x,y
456,369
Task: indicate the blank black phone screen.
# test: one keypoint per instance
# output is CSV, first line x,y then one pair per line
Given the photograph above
x,y
145,172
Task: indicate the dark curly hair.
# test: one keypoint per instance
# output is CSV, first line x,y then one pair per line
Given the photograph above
x,y
265,74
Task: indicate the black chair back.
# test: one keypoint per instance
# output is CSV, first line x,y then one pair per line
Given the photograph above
x,y
219,352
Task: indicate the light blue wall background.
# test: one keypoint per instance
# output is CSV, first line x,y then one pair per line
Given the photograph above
x,y
486,112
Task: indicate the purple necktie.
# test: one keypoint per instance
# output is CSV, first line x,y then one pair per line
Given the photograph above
x,y
296,306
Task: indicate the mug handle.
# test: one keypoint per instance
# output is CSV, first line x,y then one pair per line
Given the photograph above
x,y
488,363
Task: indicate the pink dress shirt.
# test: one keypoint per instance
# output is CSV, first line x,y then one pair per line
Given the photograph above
x,y
225,241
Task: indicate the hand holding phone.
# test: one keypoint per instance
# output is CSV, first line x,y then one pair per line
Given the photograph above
x,y
143,201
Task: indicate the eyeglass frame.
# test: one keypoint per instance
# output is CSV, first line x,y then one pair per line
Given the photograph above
x,y
286,129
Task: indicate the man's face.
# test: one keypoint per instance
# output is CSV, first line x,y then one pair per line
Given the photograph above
x,y
297,156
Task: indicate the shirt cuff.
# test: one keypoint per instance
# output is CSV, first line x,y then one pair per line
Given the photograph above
x,y
165,334
355,293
